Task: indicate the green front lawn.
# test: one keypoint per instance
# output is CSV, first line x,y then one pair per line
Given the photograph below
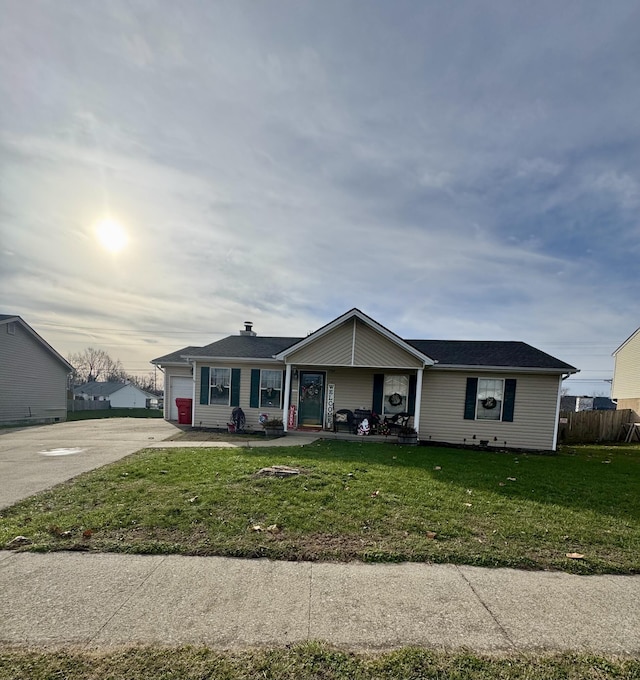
x,y
373,502
308,661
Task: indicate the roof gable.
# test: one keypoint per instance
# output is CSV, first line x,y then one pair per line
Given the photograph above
x,y
341,327
8,318
629,339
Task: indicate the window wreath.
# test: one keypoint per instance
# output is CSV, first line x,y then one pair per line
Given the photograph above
x,y
218,388
489,403
395,399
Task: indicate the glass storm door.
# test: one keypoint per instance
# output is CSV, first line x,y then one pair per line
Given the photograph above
x,y
311,399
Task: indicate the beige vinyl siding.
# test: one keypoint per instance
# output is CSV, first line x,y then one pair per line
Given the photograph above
x,y
217,416
633,404
332,349
533,426
374,349
33,384
353,388
626,373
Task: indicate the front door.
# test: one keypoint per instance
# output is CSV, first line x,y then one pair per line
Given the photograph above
x,y
311,399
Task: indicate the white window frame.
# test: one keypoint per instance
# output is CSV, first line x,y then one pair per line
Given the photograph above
x,y
212,386
494,392
404,407
264,387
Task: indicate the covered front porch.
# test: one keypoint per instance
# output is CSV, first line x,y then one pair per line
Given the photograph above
x,y
339,399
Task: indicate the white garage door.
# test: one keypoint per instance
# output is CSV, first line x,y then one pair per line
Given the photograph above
x,y
180,388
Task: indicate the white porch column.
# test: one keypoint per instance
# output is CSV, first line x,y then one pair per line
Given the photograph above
x,y
416,417
287,390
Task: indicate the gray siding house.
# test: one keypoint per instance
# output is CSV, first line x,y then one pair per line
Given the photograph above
x,y
504,394
33,376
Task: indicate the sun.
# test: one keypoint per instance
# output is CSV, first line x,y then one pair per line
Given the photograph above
x,y
111,235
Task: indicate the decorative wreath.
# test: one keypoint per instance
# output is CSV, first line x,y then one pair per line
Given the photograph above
x,y
395,399
489,403
219,388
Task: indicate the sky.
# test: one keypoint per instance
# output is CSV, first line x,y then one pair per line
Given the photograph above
x,y
465,170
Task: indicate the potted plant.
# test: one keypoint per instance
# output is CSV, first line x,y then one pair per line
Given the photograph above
x,y
407,435
273,427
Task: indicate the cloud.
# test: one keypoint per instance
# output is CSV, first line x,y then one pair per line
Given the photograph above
x,y
455,171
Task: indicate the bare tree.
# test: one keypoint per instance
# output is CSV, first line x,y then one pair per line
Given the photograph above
x,y
95,364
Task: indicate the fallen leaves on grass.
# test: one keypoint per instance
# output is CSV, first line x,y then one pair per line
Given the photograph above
x,y
430,534
575,556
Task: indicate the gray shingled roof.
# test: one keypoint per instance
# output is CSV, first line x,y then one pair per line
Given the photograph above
x,y
447,352
245,347
175,357
487,353
98,389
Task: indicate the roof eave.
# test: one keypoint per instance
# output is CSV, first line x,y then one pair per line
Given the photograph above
x,y
239,360
506,369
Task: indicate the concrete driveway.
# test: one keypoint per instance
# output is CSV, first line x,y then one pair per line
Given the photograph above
x,y
35,458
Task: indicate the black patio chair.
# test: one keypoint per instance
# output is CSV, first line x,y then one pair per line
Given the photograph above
x,y
344,418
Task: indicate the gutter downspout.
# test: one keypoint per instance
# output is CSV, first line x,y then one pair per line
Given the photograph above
x,y
287,390
555,430
416,415
193,396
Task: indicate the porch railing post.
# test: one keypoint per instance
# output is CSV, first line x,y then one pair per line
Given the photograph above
x,y
287,390
416,415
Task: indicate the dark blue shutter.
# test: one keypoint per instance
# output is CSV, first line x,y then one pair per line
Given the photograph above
x,y
204,385
254,399
378,392
235,387
509,400
411,406
470,399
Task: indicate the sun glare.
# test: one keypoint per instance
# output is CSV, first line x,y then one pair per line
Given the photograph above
x,y
111,235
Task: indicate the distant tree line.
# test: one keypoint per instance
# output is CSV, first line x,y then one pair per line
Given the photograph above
x,y
93,364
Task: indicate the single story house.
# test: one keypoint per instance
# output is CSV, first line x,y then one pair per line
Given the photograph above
x,y
119,395
625,388
498,393
33,376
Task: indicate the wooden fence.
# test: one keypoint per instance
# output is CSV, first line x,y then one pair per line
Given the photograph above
x,y
590,427
85,405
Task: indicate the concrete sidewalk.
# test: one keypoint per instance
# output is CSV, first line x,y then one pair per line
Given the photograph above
x,y
107,600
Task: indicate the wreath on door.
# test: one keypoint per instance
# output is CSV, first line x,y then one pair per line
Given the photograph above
x,y
489,403
395,399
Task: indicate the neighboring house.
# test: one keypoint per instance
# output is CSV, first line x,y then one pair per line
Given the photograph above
x,y
505,394
33,376
625,388
120,395
571,403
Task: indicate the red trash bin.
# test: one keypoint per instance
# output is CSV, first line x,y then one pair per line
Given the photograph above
x,y
184,410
